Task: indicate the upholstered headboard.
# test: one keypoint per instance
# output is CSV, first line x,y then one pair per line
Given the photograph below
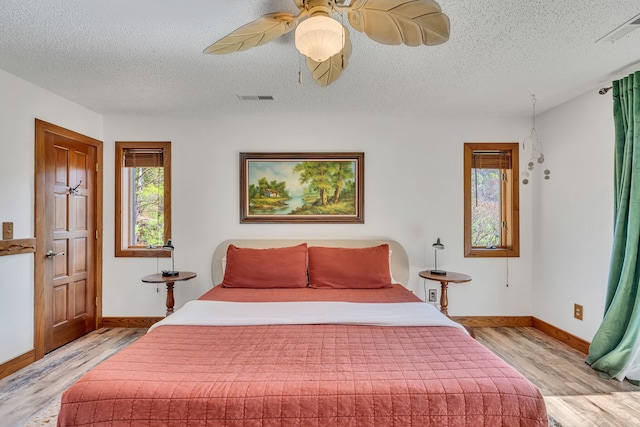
x,y
399,259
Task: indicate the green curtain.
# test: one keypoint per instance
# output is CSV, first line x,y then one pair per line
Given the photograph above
x,y
615,349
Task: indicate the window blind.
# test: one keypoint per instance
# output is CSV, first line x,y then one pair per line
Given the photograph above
x,y
491,160
143,158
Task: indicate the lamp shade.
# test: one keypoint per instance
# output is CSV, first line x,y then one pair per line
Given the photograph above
x,y
438,245
319,37
169,247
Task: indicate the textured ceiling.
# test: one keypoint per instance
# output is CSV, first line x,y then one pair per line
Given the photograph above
x,y
145,56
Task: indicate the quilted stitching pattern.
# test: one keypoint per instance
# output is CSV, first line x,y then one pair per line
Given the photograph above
x,y
304,375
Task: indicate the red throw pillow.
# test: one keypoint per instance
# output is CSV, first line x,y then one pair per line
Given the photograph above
x,y
349,268
266,268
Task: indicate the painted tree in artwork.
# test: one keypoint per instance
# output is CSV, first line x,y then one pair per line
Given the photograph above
x,y
342,177
318,176
331,182
264,186
280,187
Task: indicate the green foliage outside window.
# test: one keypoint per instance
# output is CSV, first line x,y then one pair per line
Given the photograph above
x,y
486,207
148,209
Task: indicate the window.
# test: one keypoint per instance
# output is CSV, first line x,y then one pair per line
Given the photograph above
x,y
143,198
491,200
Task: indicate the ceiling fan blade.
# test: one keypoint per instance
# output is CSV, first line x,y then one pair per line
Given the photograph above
x,y
412,22
261,31
327,72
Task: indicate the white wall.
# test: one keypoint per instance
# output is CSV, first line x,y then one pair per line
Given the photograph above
x,y
573,213
413,194
20,104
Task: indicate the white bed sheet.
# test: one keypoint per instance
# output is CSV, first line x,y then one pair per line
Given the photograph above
x,y
223,313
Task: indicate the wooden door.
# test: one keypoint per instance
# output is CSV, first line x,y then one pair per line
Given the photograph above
x,y
67,235
69,286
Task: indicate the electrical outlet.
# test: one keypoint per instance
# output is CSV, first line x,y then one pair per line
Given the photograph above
x,y
577,311
433,294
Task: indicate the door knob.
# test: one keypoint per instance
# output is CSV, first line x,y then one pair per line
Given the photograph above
x,y
51,254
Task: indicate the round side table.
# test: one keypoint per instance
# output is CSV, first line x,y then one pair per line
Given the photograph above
x,y
170,281
445,279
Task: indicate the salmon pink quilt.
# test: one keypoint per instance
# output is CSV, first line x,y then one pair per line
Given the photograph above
x,y
304,375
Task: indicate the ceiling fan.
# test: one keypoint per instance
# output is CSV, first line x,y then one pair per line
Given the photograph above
x,y
325,41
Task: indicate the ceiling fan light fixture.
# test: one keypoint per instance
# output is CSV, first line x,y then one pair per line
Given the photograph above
x,y
325,41
319,37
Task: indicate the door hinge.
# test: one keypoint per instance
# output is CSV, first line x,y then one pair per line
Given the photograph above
x,y
96,234
97,168
96,301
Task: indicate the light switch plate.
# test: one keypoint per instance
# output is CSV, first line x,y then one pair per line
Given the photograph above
x,y
7,231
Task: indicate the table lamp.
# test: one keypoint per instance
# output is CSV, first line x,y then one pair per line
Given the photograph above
x,y
437,246
169,247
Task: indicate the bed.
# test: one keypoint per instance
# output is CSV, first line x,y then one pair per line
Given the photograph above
x,y
305,333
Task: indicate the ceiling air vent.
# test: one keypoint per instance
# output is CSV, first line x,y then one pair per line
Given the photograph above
x,y
255,97
621,31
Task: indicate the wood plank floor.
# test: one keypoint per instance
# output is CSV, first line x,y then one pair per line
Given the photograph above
x,y
574,393
31,389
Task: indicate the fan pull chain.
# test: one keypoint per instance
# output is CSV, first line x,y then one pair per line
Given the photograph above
x,y
507,269
342,51
299,70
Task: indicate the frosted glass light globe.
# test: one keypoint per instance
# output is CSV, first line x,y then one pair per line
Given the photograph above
x,y
319,37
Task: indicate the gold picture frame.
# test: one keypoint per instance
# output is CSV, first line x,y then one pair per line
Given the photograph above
x,y
302,187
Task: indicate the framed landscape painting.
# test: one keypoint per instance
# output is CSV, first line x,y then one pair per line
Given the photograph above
x,y
302,187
